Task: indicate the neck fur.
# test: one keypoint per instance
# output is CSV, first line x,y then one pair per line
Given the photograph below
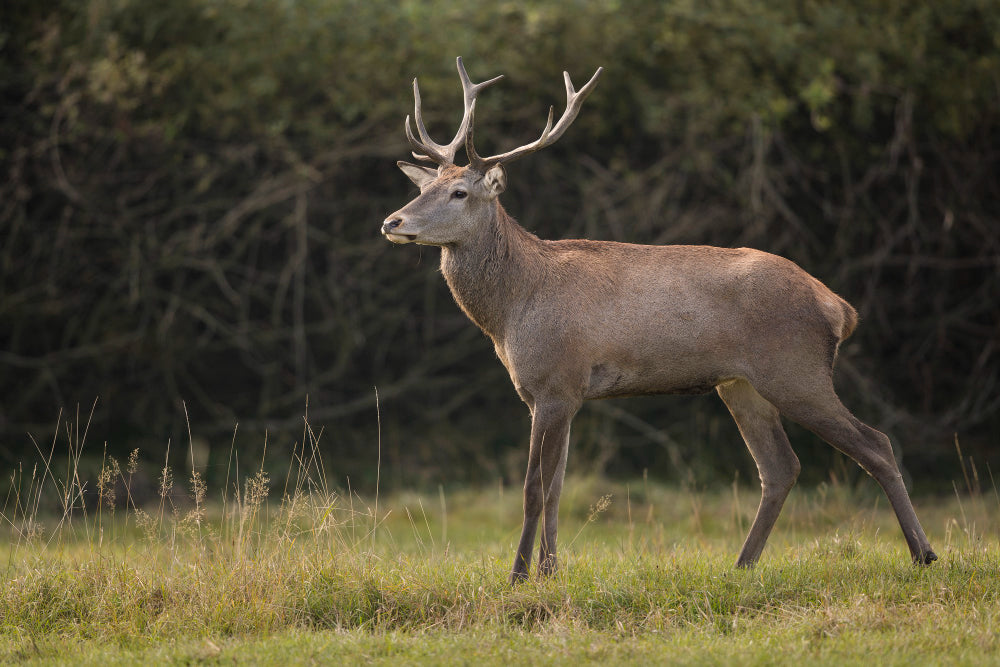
x,y
491,273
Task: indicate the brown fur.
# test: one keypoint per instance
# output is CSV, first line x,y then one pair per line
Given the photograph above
x,y
577,320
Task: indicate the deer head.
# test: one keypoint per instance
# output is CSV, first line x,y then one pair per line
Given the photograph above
x,y
454,200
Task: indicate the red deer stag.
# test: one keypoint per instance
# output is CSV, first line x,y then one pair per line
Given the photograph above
x,y
575,320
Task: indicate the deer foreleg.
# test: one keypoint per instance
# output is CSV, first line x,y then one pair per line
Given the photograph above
x,y
550,426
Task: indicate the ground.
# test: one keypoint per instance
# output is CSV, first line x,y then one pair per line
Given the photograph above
x,y
646,576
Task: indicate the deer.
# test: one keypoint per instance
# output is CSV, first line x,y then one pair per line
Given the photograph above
x,y
579,320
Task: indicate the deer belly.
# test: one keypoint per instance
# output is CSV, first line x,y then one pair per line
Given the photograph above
x,y
609,380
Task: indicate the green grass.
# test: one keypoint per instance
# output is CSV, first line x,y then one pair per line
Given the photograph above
x,y
308,574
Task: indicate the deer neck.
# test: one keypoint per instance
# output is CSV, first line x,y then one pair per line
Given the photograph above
x,y
491,273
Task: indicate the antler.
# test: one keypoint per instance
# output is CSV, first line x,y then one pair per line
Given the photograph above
x,y
574,100
426,148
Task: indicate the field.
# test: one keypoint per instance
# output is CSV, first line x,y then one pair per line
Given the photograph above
x,y
284,568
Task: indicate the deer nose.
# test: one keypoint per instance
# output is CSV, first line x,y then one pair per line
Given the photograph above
x,y
390,225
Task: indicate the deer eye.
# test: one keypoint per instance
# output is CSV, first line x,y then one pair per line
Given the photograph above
x,y
459,194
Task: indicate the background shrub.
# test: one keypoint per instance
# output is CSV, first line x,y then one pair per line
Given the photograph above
x,y
193,191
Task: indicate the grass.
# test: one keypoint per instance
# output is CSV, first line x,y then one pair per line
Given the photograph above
x,y
292,571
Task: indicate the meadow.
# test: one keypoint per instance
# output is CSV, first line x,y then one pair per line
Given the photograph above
x,y
284,566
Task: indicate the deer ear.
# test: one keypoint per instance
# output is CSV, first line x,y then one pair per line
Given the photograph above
x,y
417,173
495,180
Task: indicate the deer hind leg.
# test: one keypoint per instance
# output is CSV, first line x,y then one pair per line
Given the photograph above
x,y
818,408
777,465
550,424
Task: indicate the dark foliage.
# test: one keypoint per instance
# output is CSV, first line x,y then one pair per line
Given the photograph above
x,y
193,189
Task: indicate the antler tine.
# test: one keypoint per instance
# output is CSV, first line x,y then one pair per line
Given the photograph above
x,y
428,149
421,150
471,91
425,149
574,101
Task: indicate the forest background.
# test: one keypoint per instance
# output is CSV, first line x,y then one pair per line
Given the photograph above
x,y
192,193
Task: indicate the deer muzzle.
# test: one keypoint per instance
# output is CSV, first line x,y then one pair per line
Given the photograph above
x,y
388,231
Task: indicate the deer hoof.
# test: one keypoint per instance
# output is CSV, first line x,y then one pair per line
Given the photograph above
x,y
517,577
